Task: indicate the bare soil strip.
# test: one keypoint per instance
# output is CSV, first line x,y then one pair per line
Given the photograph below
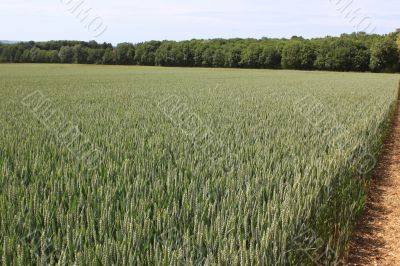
x,y
377,237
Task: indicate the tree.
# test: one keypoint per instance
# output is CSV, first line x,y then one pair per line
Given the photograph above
x,y
307,55
18,55
79,54
218,58
349,52
199,48
385,54
145,53
346,53
105,45
8,53
169,54
95,56
125,54
398,39
187,52
298,55
93,45
270,57
234,56
66,54
26,56
52,56
35,57
207,56
398,43
251,55
361,58
109,57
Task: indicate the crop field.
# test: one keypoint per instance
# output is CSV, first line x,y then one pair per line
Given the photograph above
x,y
129,165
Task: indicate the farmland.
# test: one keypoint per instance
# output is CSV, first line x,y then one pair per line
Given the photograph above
x,y
157,166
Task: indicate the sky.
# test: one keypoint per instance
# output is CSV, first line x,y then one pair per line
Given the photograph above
x,y
135,21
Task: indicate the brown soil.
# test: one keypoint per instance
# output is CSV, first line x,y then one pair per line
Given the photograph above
x,y
377,237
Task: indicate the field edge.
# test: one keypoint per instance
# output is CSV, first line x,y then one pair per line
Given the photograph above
x,y
372,181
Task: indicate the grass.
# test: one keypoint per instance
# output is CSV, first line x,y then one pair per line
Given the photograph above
x,y
196,165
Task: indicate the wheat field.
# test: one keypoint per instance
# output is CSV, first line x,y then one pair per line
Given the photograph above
x,y
118,165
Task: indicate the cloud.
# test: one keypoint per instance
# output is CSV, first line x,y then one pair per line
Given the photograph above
x,y
178,19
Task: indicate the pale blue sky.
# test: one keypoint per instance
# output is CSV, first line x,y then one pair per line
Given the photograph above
x,y
135,21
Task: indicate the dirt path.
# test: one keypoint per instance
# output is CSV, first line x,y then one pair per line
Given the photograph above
x,y
377,239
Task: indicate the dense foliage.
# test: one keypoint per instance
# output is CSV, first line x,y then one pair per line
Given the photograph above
x,y
349,52
159,196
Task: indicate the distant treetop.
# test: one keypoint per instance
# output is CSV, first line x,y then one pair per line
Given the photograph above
x,y
348,52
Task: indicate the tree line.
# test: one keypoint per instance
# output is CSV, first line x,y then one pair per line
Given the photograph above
x,y
349,52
